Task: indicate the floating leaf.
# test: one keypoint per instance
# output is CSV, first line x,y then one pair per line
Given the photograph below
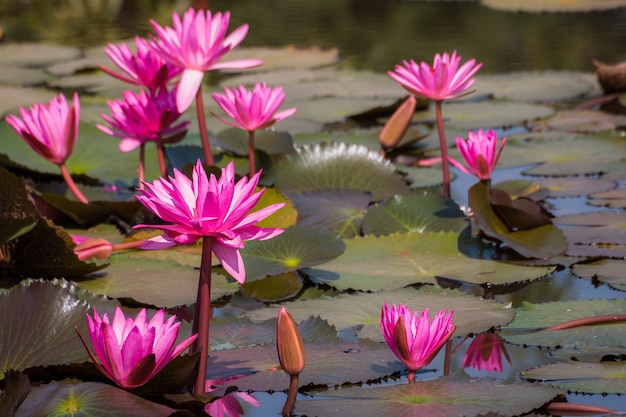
x,y
273,288
87,399
584,121
553,5
273,142
295,248
338,166
612,198
446,396
471,315
36,54
154,282
333,109
416,212
610,271
590,378
327,363
288,57
540,316
572,187
340,211
540,242
284,217
391,262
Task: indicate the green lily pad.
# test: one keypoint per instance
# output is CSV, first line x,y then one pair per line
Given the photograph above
x,y
36,54
59,398
416,212
18,76
572,187
273,288
590,378
333,109
486,114
332,362
339,211
273,142
287,57
539,316
423,177
542,6
338,166
48,322
355,137
610,271
12,98
584,121
545,86
471,315
154,282
391,262
544,241
447,396
295,248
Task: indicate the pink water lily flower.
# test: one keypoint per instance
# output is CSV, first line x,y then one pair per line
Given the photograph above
x,y
230,405
255,109
208,207
412,338
130,352
144,117
196,44
50,130
145,68
444,80
481,153
485,353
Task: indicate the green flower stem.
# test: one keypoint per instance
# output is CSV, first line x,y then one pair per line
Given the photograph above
x,y
204,135
290,402
251,158
72,185
161,156
444,150
203,316
586,321
141,168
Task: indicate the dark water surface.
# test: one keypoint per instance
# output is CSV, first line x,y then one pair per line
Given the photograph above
x,y
370,34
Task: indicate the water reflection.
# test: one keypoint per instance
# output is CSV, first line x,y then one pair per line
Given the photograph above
x,y
372,35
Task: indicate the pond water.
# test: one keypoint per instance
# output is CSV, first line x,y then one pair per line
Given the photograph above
x,y
376,35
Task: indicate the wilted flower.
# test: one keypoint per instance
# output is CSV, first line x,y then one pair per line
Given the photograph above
x,y
444,80
485,353
144,117
50,130
412,338
145,68
196,44
289,344
480,152
130,352
252,110
207,207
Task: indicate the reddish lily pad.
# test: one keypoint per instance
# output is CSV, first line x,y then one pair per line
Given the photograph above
x,y
590,378
612,198
447,396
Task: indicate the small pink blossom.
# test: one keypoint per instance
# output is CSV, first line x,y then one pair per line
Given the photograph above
x,y
230,405
144,117
196,44
145,68
252,110
480,152
417,341
130,352
444,80
50,130
485,353
207,206
87,247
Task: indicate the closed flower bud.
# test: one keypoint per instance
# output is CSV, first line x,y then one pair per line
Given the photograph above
x,y
290,348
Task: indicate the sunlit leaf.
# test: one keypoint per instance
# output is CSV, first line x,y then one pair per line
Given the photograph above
x,y
271,141
273,288
296,248
338,166
58,399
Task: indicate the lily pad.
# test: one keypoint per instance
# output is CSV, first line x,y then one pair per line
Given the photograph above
x,y
339,211
539,316
611,198
154,282
273,288
572,187
12,98
295,248
271,141
59,398
333,109
610,271
471,315
590,378
338,166
391,262
36,54
416,212
447,396
542,6
288,57
584,121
